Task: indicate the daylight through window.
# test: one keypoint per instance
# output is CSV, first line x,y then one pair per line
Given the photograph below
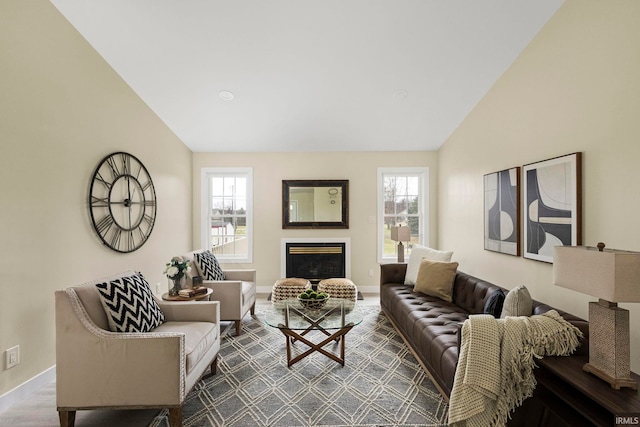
x,y
228,223
402,200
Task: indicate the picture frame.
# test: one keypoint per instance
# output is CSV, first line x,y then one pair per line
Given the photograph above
x,y
502,228
552,205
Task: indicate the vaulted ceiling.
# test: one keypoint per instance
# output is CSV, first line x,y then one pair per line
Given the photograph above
x,y
309,75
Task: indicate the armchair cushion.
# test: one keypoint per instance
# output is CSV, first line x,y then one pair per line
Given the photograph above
x,y
208,266
199,338
129,304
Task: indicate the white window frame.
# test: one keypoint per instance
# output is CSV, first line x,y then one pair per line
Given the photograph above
x,y
423,202
205,225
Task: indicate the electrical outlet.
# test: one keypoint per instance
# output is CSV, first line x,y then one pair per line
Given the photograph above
x,y
371,272
12,357
158,288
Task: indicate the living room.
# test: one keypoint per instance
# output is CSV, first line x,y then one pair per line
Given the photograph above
x,y
574,88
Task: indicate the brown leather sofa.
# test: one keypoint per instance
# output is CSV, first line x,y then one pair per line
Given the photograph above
x,y
430,326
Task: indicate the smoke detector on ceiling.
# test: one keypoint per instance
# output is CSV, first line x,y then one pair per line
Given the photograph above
x,y
400,94
226,95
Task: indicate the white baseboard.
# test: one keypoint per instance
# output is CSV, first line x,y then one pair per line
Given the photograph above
x,y
263,289
369,289
27,388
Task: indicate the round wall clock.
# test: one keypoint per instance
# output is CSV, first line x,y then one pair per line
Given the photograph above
x,y
122,202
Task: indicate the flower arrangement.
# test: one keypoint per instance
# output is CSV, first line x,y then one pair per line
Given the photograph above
x,y
175,269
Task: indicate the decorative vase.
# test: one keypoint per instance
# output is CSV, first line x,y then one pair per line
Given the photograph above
x,y
177,284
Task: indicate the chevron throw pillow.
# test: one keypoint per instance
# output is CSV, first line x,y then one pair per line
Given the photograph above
x,y
208,266
129,305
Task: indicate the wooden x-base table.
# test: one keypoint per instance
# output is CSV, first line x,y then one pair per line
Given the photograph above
x,y
332,321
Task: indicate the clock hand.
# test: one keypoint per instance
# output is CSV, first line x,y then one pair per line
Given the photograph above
x,y
129,198
128,203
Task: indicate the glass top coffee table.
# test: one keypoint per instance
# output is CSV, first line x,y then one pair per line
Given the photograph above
x,y
334,320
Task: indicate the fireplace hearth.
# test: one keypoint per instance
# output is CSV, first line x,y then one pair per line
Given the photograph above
x,y
315,260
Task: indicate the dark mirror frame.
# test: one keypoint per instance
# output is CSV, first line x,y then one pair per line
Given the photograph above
x,y
288,184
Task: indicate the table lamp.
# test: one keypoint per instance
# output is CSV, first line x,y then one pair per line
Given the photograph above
x,y
400,234
612,276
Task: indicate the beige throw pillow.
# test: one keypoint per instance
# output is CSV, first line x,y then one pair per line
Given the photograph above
x,y
417,254
436,279
517,303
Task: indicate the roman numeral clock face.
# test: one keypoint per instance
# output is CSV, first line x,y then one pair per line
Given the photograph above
x,y
122,201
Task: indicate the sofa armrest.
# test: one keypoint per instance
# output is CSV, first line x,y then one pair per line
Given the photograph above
x,y
393,273
190,311
244,275
229,293
225,287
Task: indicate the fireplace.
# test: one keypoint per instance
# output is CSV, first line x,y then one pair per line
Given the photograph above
x,y
315,260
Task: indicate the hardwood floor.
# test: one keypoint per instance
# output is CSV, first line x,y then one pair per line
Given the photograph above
x,y
39,409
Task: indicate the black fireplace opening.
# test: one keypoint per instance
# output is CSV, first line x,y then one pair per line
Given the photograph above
x,y
315,261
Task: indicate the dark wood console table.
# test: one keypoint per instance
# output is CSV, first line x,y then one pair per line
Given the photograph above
x,y
568,396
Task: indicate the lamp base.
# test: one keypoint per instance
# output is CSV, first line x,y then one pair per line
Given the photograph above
x,y
400,252
609,352
616,383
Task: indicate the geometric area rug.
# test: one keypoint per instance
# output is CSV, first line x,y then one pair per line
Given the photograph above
x,y
381,383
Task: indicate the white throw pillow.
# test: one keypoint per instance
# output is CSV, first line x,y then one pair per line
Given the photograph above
x,y
417,254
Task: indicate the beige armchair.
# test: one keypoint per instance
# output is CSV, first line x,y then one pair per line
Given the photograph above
x,y
237,293
97,368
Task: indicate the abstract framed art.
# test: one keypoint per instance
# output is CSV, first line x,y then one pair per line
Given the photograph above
x,y
552,205
502,211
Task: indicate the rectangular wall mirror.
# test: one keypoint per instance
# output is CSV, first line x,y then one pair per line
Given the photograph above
x,y
315,204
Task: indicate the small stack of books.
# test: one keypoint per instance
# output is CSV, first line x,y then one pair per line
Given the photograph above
x,y
190,293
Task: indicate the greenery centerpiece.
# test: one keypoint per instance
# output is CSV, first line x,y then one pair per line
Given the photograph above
x,y
313,300
176,271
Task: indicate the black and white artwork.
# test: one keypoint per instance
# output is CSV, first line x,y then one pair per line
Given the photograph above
x,y
502,211
552,205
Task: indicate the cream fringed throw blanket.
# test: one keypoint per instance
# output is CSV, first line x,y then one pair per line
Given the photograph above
x,y
495,367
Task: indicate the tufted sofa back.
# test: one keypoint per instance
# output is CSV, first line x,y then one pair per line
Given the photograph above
x,y
471,293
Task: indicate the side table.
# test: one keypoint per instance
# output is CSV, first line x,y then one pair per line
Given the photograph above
x,y
568,396
202,297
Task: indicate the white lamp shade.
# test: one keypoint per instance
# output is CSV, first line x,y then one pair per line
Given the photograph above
x,y
400,234
610,275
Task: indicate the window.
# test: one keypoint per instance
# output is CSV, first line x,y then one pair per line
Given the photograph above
x,y
403,195
227,213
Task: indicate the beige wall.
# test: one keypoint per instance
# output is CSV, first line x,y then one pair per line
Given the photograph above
x,y
269,169
575,88
62,109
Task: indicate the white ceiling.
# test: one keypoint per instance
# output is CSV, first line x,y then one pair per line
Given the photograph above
x,y
310,75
